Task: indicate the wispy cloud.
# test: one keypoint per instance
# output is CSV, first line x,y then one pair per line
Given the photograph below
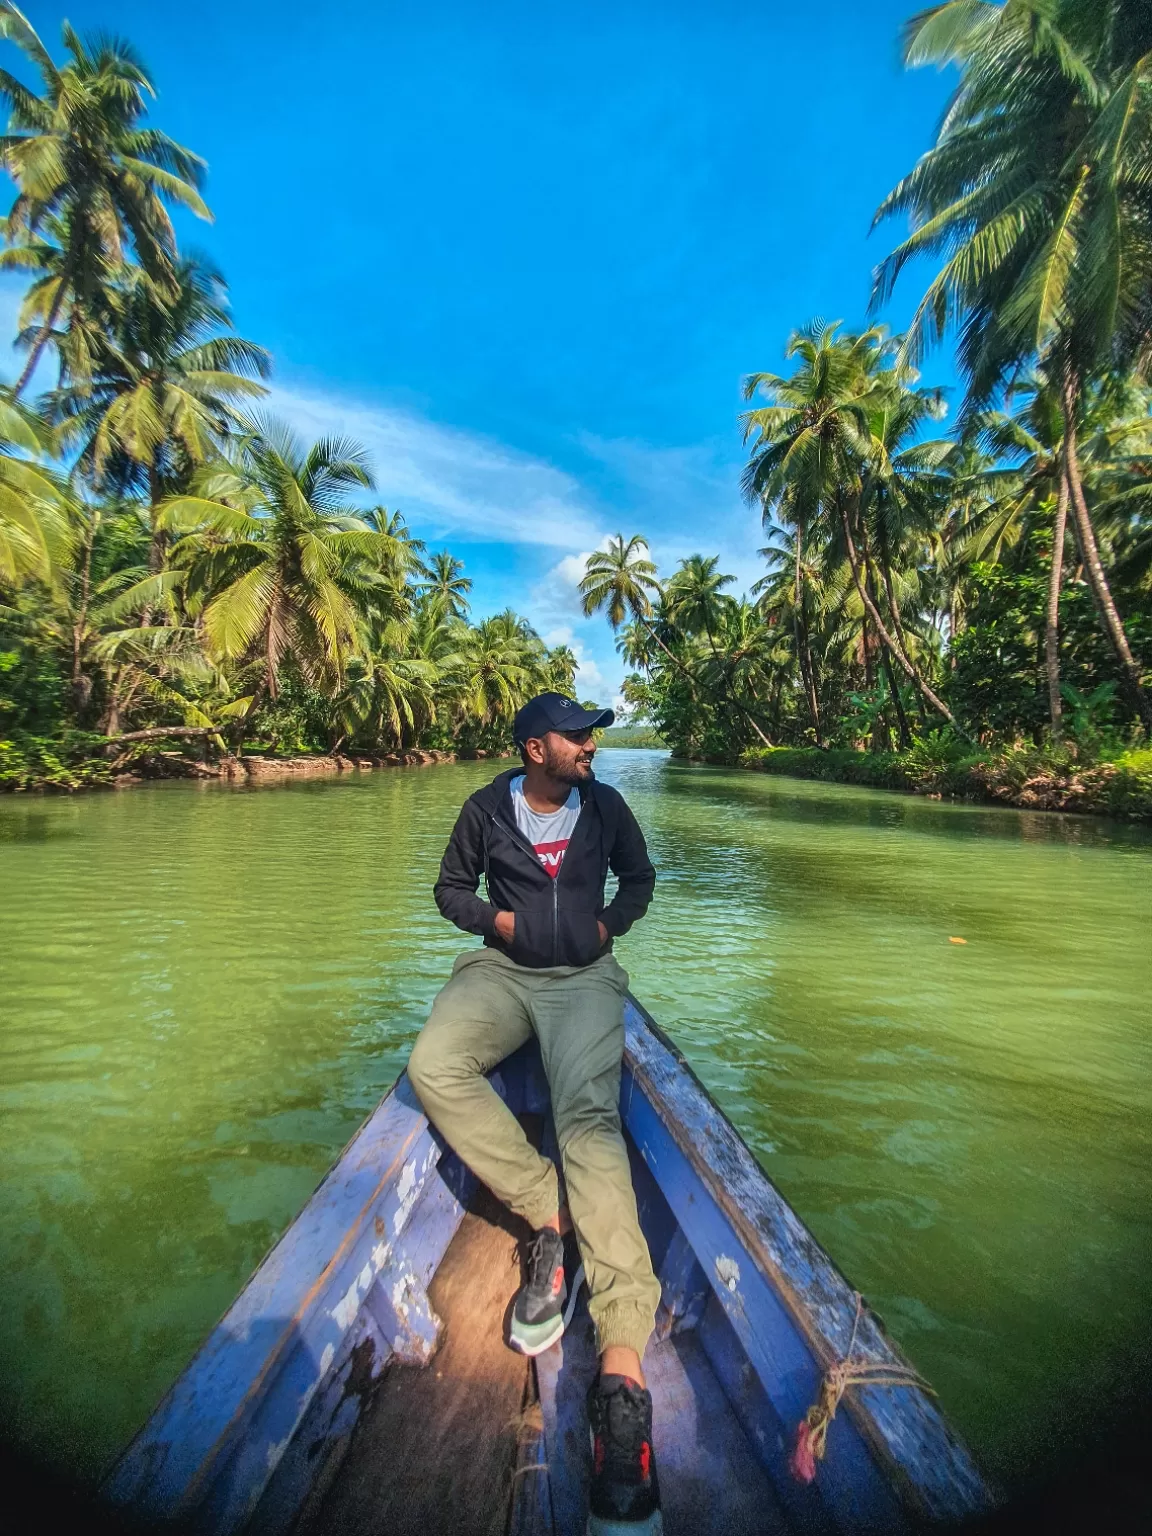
x,y
684,500
448,480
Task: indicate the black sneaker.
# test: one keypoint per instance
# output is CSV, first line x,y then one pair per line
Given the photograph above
x,y
625,1497
547,1299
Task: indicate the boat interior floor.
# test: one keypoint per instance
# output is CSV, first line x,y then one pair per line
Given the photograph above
x,y
457,1448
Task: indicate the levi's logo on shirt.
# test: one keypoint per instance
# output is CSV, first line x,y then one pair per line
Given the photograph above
x,y
549,832
551,855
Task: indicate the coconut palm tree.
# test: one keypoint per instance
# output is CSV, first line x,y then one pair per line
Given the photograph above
x,y
388,693
561,669
77,327
813,441
620,581
794,589
81,156
278,562
1035,194
694,601
495,668
444,586
163,398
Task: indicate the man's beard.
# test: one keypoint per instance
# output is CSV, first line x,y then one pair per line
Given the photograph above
x,y
567,773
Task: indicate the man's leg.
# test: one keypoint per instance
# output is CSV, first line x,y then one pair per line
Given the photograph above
x,y
478,1018
579,1019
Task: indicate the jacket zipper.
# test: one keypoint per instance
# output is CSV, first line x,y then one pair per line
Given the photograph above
x,y
531,852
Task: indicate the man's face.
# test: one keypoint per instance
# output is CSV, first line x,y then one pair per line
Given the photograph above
x,y
565,755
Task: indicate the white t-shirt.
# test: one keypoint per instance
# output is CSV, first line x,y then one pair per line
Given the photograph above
x,y
549,834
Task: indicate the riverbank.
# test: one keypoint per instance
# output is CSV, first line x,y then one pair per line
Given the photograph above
x,y
41,767
1026,778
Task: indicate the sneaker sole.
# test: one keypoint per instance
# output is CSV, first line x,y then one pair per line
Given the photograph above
x,y
534,1347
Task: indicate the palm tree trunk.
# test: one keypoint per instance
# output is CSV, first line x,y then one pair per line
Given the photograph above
x,y
672,657
45,335
897,702
1090,553
803,650
901,717
156,546
272,651
739,703
882,630
1052,620
81,683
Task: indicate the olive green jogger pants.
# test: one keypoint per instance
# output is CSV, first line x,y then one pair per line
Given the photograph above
x,y
489,1007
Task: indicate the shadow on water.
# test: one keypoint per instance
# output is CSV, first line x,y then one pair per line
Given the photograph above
x,y
809,801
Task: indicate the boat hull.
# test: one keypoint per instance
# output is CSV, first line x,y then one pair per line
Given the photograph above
x,y
753,1312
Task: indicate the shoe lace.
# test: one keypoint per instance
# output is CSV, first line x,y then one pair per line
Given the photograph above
x,y
540,1261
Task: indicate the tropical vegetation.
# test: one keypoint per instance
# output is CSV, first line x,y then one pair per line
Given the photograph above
x,y
179,575
956,593
964,594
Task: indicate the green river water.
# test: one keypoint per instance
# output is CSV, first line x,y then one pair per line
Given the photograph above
x,y
204,990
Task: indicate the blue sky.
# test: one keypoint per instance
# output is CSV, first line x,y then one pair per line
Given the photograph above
x,y
526,253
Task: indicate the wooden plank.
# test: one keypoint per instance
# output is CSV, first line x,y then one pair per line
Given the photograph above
x,y
314,1456
563,1375
531,1494
788,1277
684,1289
280,1338
711,1483
435,1452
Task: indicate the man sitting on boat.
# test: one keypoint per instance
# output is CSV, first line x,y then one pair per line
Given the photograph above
x,y
544,837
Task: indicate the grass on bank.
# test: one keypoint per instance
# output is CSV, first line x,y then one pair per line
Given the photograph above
x,y
1051,778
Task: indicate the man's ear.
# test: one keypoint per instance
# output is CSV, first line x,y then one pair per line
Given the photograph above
x,y
534,748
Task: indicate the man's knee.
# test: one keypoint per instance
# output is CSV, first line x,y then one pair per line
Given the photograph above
x,y
426,1069
434,1069
587,1120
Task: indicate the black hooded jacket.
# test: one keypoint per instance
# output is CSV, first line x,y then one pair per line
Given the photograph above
x,y
555,917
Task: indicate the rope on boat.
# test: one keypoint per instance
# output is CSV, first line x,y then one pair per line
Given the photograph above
x,y
851,1371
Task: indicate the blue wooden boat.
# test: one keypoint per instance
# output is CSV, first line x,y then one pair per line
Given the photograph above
x,y
360,1382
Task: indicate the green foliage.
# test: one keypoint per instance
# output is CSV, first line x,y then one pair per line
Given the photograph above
x,y
632,736
167,560
64,762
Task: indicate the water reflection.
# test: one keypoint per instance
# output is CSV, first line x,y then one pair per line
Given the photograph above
x,y
205,990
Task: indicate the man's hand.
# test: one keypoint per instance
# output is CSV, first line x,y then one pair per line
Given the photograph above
x,y
603,933
506,926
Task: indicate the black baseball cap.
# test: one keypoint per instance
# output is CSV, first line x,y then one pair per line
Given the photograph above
x,y
553,712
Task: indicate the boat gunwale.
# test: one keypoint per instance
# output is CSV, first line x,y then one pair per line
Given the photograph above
x,y
871,1332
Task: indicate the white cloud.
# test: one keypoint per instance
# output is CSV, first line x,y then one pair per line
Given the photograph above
x,y
683,500
590,680
448,480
